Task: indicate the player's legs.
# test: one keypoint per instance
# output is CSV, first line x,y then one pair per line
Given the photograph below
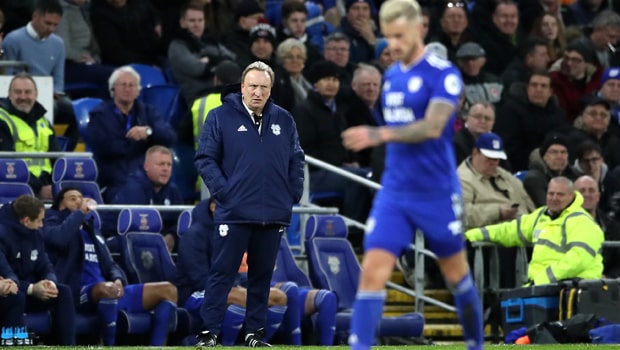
x,y
155,292
438,219
291,320
387,234
95,296
325,304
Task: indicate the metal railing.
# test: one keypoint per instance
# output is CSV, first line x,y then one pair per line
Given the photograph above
x,y
5,154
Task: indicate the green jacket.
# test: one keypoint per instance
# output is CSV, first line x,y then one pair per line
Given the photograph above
x,y
568,246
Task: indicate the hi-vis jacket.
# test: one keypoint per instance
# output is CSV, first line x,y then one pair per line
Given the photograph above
x,y
568,246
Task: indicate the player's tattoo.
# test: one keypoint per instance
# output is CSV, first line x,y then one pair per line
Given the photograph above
x,y
433,124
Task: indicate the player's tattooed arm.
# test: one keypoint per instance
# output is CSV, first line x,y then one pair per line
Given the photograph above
x,y
431,127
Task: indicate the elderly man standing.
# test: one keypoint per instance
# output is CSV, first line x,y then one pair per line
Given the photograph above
x,y
21,114
249,157
122,129
567,242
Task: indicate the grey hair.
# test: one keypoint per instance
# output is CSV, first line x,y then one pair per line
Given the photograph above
x,y
392,10
363,67
606,18
117,73
337,36
287,45
565,181
260,66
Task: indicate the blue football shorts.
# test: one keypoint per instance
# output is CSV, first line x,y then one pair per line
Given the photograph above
x,y
131,300
394,220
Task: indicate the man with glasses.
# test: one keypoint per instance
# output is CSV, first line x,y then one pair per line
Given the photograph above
x,y
593,125
337,50
555,155
577,75
122,129
591,162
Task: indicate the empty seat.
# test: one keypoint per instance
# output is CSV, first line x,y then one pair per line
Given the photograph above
x,y
14,176
81,109
149,76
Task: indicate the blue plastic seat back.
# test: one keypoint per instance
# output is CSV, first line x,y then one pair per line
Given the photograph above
x,y
80,173
81,109
14,176
286,269
166,99
184,222
520,174
149,76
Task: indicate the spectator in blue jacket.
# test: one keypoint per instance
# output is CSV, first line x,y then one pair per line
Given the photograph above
x,y
249,157
121,130
193,264
24,261
82,260
151,185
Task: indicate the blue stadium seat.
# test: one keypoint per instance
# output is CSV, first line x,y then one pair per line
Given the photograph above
x,y
167,101
520,174
77,172
286,269
14,177
81,109
334,266
149,76
184,222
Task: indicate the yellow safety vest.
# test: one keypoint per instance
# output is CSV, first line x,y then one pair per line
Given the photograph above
x,y
200,109
26,140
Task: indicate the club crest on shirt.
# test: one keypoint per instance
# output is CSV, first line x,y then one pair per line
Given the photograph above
x,y
386,86
414,84
452,84
223,230
34,255
275,129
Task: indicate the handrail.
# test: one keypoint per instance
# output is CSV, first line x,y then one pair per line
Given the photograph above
x,y
20,64
360,179
5,154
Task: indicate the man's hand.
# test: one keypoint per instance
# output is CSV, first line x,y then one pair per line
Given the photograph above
x,y
170,241
44,290
84,208
507,212
359,137
7,287
137,133
364,28
46,193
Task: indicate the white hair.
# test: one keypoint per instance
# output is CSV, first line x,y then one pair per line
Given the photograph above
x,y
117,73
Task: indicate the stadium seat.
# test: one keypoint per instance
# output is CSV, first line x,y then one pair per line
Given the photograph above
x,y
14,176
334,266
286,269
81,109
77,172
520,174
184,222
167,100
149,76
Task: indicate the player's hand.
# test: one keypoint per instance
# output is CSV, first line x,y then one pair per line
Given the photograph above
x,y
44,290
359,137
120,290
7,287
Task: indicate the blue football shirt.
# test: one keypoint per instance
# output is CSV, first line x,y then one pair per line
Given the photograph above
x,y
426,168
91,272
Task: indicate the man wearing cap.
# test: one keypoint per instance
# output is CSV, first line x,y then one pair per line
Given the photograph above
x,y
480,86
555,162
262,44
567,242
610,92
593,125
576,75
248,13
320,121
193,53
489,191
492,195
362,31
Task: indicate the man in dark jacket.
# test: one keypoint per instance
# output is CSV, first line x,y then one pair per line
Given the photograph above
x,y
121,130
193,263
249,157
82,260
24,261
151,185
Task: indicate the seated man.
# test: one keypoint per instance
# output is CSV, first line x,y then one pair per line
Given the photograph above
x,y
24,261
567,242
152,185
588,187
82,260
121,130
193,264
555,154
492,195
21,114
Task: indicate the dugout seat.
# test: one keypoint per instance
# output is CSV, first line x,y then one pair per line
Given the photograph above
x,y
14,176
80,173
334,266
